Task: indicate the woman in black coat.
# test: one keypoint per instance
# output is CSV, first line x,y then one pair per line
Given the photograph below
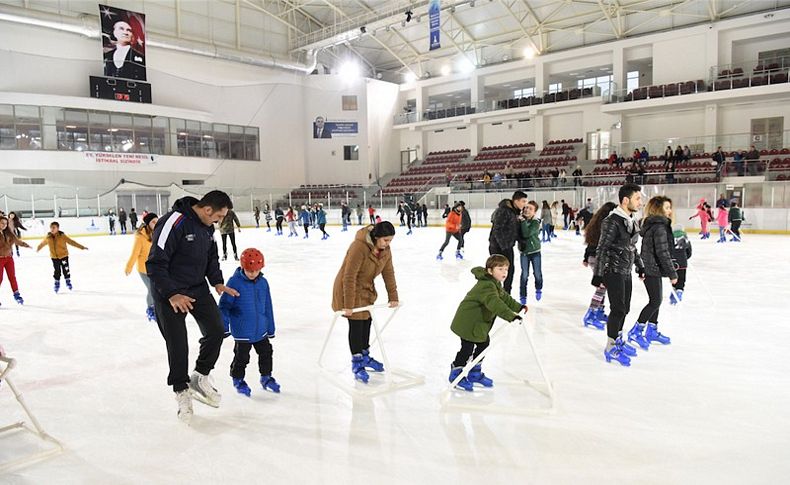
x,y
657,243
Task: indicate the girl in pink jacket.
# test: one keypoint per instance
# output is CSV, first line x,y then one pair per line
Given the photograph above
x,y
704,218
722,221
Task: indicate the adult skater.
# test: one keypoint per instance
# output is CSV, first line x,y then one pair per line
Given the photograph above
x,y
320,216
615,258
122,220
278,220
424,215
466,223
142,247
452,229
256,214
505,229
546,221
16,226
185,255
304,217
111,220
291,218
226,230
359,214
267,215
657,239
7,242
408,215
401,213
345,216
133,219
372,214
596,314
368,256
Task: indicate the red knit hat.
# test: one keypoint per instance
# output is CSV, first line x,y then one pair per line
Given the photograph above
x,y
252,260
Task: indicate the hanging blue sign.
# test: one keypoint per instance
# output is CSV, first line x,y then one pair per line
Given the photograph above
x,y
434,10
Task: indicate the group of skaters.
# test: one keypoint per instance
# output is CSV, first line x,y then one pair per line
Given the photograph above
x,y
412,214
729,218
122,217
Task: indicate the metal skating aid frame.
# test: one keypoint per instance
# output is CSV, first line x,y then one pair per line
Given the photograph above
x,y
394,379
548,390
36,429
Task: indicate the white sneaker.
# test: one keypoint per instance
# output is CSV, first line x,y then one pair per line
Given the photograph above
x,y
184,406
203,389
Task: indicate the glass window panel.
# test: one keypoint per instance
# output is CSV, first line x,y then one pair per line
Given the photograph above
x,y
122,132
72,130
28,127
160,138
236,142
7,130
221,140
100,134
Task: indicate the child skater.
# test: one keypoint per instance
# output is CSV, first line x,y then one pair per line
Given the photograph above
x,y
735,218
142,246
7,242
59,253
722,220
657,236
291,217
704,218
250,320
596,315
475,317
529,247
681,253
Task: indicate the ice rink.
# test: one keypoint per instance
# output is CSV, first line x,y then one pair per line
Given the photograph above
x,y
712,407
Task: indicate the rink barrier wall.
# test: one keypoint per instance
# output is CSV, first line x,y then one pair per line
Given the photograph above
x,y
758,221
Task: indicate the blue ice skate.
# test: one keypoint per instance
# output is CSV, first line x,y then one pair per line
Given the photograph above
x,y
476,376
68,284
464,382
439,257
591,320
617,354
57,286
459,255
653,335
358,368
627,349
523,300
151,314
600,315
18,298
242,387
637,334
268,383
371,363
538,295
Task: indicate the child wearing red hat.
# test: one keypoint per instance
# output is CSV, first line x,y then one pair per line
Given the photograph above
x,y
250,320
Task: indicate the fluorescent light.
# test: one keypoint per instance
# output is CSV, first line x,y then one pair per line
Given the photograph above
x,y
445,70
529,52
70,127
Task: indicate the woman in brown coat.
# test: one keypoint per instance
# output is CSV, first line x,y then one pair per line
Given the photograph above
x,y
367,257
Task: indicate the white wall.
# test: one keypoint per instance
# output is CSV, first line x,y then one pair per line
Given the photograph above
x,y
509,132
384,152
737,118
450,138
563,125
682,58
663,125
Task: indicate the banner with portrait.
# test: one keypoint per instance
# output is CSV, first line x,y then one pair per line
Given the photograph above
x,y
123,43
323,128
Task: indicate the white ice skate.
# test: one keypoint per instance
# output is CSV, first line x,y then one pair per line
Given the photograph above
x,y
203,390
184,406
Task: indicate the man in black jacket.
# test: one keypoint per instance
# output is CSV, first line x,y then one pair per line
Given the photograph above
x,y
183,256
505,231
615,258
466,221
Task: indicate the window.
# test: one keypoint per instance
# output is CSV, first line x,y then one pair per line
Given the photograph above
x,y
598,145
602,82
555,88
7,131
351,152
72,130
632,81
524,93
28,127
349,103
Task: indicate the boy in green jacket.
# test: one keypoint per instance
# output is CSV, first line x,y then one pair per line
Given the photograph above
x,y
475,317
529,246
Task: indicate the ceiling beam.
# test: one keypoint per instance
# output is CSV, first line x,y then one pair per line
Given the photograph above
x,y
273,15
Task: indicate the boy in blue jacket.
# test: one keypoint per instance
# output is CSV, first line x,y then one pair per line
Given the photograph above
x,y
249,318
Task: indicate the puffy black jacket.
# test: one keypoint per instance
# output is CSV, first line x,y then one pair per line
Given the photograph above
x,y
656,240
681,252
466,221
616,251
505,227
183,254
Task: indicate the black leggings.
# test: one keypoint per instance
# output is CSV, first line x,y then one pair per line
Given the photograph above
x,y
241,357
269,223
372,219
469,349
61,265
735,227
650,311
681,279
359,335
493,248
232,236
322,226
306,227
618,287
449,235
279,224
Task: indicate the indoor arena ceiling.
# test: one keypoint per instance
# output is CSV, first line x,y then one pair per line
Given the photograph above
x,y
380,37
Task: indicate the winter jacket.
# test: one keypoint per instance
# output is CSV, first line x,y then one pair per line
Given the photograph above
x,y
585,215
122,216
278,213
530,236
616,251
484,302
736,214
226,226
57,245
133,218
267,214
321,216
140,251
656,240
721,217
304,216
466,221
345,211
249,316
453,223
681,251
354,284
183,253
7,241
546,217
556,216
589,252
446,212
290,216
504,225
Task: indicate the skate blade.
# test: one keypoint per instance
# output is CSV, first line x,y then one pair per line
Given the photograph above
x,y
201,398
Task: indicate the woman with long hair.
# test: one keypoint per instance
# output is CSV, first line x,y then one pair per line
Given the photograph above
x,y
16,226
142,246
7,242
657,241
596,314
556,216
545,222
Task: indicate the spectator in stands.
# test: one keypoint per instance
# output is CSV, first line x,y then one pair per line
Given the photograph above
x,y
686,154
642,170
577,176
668,156
471,181
555,177
636,154
563,178
612,158
497,180
678,155
644,156
719,158
738,159
486,180
509,173
752,156
632,172
670,171
527,179
620,161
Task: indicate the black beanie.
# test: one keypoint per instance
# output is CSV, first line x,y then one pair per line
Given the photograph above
x,y
382,229
149,217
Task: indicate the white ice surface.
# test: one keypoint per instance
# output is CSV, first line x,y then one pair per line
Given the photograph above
x,y
710,408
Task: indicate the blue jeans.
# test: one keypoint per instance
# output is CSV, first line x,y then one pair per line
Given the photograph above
x,y
526,260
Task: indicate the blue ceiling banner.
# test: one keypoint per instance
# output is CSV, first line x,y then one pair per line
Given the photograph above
x,y
434,10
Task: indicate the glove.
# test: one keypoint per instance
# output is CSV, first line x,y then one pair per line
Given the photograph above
x,y
596,281
517,317
640,272
524,308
